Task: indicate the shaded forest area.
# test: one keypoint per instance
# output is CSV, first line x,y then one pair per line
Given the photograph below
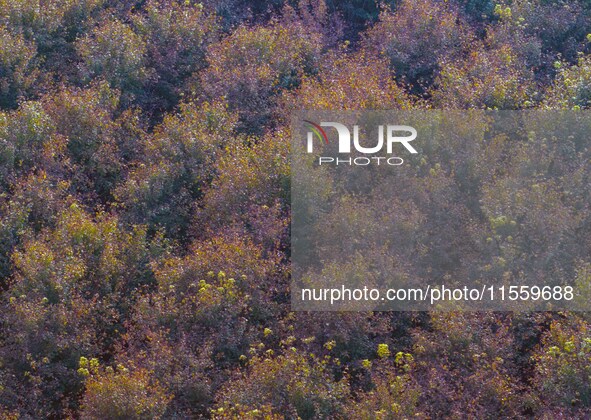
x,y
144,208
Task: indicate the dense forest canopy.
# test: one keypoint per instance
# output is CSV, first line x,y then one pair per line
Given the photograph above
x,y
145,213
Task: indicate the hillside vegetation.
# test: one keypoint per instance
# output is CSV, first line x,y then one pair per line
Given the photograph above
x,y
144,208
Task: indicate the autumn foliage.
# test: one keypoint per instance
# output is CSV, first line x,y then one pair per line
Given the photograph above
x,y
145,208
